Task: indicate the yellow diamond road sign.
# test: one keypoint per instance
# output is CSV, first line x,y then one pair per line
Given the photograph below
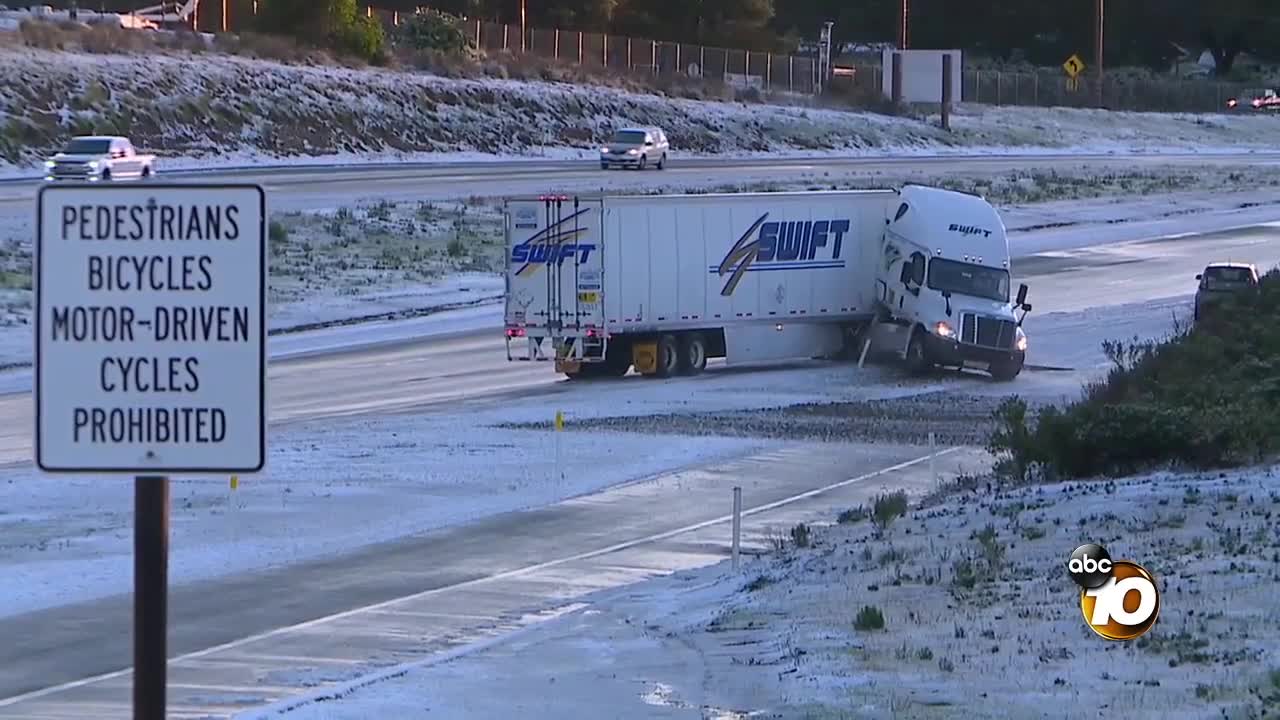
x,y
1074,66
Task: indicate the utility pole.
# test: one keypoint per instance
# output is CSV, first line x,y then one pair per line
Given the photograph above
x,y
904,15
523,32
225,27
824,57
1098,25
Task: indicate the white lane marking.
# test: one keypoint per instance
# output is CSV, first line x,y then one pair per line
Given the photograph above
x,y
51,690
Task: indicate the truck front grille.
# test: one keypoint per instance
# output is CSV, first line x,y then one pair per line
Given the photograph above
x,y
70,170
988,332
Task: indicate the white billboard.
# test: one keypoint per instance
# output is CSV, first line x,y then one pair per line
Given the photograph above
x,y
922,75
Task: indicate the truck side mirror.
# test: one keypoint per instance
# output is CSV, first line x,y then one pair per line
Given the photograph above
x,y
1026,306
1199,276
1022,295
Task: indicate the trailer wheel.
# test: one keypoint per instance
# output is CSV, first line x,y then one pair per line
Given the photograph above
x,y
917,359
668,356
693,354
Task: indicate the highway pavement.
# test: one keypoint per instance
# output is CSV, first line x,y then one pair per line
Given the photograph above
x,y
304,187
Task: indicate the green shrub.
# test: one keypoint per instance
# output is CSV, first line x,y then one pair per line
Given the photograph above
x,y
869,618
435,31
886,508
852,515
335,24
800,535
1206,397
363,38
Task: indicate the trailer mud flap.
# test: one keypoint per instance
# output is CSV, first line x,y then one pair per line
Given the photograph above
x,y
568,367
644,356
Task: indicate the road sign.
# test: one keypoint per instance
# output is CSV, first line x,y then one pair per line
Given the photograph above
x,y
150,328
1074,66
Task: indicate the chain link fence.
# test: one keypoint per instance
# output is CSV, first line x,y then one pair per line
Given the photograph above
x,y
863,83
736,68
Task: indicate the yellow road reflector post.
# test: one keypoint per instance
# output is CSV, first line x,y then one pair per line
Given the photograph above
x,y
235,482
559,427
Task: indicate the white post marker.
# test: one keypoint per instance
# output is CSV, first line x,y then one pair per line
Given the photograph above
x,y
933,460
150,353
737,524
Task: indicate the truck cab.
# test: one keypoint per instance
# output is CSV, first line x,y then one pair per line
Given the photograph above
x,y
944,280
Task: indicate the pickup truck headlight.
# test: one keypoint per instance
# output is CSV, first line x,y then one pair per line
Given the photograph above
x,y
49,164
944,330
93,164
1021,340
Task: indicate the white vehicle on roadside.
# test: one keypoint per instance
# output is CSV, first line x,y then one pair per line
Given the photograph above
x,y
638,147
663,283
94,158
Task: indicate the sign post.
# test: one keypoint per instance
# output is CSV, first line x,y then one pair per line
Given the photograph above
x,y
150,358
1074,66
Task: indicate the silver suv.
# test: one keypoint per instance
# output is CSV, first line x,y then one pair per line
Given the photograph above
x,y
635,147
1222,279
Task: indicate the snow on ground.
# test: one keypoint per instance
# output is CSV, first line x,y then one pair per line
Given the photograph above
x,y
980,620
387,477
329,489
261,109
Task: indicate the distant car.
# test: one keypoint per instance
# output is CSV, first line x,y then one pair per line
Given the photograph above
x,y
1222,279
638,147
94,158
1255,99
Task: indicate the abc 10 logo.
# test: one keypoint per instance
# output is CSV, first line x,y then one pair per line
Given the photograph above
x,y
1119,598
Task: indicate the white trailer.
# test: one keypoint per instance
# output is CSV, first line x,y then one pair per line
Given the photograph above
x,y
663,283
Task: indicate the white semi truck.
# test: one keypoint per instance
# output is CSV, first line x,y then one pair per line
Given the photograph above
x,y
663,283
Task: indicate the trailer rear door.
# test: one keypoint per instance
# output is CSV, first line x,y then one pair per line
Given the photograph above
x,y
555,266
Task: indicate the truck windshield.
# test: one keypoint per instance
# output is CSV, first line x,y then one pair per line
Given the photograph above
x,y
968,279
85,146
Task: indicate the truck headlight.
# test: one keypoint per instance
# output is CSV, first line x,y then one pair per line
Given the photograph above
x,y
944,329
1021,341
93,164
633,151
49,164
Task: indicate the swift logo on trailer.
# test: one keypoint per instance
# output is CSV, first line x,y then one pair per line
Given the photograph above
x,y
553,244
783,245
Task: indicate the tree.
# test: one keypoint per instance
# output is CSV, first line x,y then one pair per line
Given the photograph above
x,y
734,23
336,24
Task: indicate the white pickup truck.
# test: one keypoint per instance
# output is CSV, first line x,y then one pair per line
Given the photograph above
x,y
94,158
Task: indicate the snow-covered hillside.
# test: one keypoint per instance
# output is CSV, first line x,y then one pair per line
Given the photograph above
x,y
220,105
